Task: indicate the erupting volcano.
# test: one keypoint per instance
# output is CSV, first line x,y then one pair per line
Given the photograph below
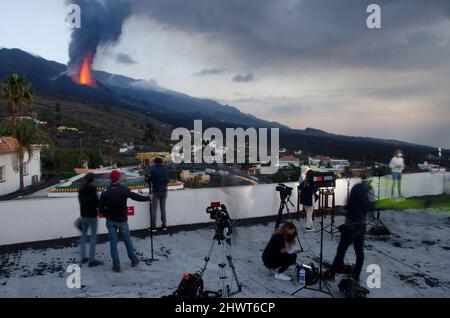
x,y
85,76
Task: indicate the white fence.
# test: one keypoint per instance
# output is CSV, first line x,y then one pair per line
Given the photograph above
x,y
38,219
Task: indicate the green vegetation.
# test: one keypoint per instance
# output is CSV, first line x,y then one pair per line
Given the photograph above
x,y
64,160
18,94
437,202
290,174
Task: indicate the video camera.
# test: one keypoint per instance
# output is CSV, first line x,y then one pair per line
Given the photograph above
x,y
219,213
284,190
378,171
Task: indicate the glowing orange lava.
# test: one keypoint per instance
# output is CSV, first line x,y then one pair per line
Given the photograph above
x,y
85,76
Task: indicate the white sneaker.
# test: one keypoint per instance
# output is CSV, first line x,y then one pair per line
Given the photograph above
x,y
309,229
282,276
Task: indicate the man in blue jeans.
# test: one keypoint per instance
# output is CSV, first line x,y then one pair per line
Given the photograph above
x,y
113,205
87,197
159,178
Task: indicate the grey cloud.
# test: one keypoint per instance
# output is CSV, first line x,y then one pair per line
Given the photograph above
x,y
210,71
287,109
125,59
244,78
310,31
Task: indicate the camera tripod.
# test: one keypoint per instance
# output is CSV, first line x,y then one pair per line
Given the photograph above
x,y
323,204
322,283
225,258
377,225
283,206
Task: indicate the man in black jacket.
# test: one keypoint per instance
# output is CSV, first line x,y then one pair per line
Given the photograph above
x,y
159,178
113,205
87,197
354,230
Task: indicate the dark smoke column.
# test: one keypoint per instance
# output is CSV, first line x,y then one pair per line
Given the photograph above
x,y
101,23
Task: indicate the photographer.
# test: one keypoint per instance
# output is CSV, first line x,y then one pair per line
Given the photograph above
x,y
113,205
159,179
276,254
354,229
307,192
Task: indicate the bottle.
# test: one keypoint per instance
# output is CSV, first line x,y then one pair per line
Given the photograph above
x,y
302,277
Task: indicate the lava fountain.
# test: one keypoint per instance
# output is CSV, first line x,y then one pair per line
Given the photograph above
x,y
85,75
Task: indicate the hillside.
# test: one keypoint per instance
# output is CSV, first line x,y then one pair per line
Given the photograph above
x,y
132,103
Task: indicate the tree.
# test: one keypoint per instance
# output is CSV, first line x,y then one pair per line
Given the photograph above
x,y
18,93
149,133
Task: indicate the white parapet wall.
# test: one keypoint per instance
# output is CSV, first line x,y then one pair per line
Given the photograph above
x,y
39,219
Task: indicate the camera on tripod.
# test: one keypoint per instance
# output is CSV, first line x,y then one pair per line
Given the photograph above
x,y
284,190
219,213
378,171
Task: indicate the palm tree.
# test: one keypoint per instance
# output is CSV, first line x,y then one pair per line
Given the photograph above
x,y
18,93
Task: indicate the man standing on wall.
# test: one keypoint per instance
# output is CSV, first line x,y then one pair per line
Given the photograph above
x,y
397,166
113,205
88,199
159,179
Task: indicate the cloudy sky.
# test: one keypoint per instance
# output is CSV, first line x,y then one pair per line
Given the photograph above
x,y
304,63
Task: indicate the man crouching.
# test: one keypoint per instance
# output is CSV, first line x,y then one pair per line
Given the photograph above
x,y
113,205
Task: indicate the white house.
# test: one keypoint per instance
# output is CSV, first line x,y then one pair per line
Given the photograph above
x,y
315,161
339,163
9,166
287,161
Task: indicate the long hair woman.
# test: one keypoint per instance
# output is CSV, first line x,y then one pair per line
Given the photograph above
x,y
307,198
276,255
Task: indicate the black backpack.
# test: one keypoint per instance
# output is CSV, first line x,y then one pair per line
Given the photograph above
x,y
311,273
191,286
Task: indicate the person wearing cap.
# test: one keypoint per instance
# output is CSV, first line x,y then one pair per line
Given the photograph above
x,y
113,205
397,166
88,199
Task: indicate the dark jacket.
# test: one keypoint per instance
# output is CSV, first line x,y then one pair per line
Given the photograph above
x,y
306,194
273,249
358,204
88,199
113,202
159,178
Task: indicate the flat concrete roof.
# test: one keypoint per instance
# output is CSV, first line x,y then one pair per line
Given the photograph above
x,y
414,261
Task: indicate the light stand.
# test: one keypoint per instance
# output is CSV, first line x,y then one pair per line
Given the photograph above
x,y
378,227
152,259
349,180
332,228
321,281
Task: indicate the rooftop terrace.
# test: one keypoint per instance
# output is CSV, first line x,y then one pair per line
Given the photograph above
x,y
414,261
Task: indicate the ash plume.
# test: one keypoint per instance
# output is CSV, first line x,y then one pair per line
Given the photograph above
x,y
101,24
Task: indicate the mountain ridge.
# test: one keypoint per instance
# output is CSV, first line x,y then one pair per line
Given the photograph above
x,y
180,110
